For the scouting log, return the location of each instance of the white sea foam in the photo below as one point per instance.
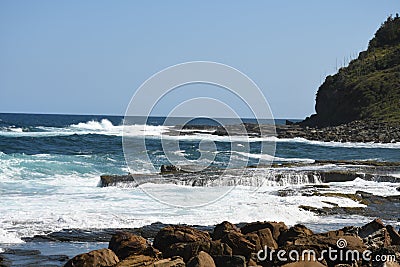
(106, 127)
(104, 124)
(78, 203)
(18, 130)
(35, 203)
(272, 158)
(376, 188)
(339, 144)
(8, 238)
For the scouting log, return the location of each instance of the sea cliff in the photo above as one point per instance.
(368, 88)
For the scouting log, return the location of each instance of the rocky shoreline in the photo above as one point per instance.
(241, 245)
(343, 171)
(356, 131)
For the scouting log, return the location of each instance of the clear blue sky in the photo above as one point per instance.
(88, 57)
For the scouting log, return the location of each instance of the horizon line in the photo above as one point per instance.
(115, 115)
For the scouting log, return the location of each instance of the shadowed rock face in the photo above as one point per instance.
(178, 234)
(203, 259)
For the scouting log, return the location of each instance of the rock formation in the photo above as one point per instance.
(368, 88)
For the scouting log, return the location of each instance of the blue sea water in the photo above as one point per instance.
(50, 167)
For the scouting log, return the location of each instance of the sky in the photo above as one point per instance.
(89, 57)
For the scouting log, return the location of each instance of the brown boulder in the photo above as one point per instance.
(178, 234)
(275, 227)
(331, 239)
(392, 264)
(136, 261)
(171, 262)
(99, 258)
(302, 254)
(293, 233)
(394, 235)
(125, 244)
(335, 240)
(189, 250)
(378, 239)
(230, 261)
(239, 244)
(371, 228)
(262, 238)
(251, 262)
(201, 260)
(222, 229)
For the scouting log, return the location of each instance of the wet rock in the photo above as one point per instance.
(338, 176)
(4, 262)
(239, 243)
(178, 234)
(98, 235)
(230, 261)
(203, 259)
(99, 258)
(275, 227)
(374, 205)
(169, 169)
(113, 180)
(23, 257)
(22, 252)
(222, 229)
(125, 244)
(293, 233)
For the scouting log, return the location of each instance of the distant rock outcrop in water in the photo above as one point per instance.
(368, 88)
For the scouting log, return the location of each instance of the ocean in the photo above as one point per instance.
(50, 167)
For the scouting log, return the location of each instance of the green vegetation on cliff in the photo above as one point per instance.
(368, 88)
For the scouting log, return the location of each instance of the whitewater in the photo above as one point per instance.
(50, 168)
